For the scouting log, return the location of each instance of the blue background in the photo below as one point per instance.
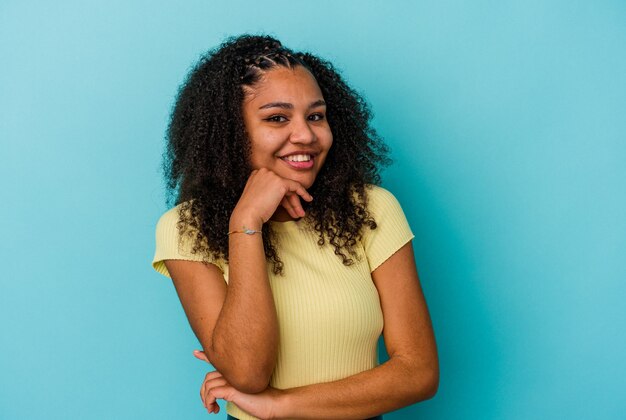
(506, 121)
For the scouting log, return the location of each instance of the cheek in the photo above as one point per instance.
(328, 138)
(327, 142)
(324, 135)
(263, 147)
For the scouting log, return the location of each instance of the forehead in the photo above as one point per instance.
(284, 84)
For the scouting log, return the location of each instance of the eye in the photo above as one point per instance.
(316, 117)
(276, 118)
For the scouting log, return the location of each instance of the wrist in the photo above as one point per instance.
(239, 222)
(283, 405)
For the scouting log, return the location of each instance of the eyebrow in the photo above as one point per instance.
(287, 105)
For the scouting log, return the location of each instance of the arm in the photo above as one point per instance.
(237, 325)
(410, 375)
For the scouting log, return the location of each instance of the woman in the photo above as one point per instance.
(286, 257)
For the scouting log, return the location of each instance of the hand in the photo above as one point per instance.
(263, 405)
(209, 402)
(212, 379)
(262, 195)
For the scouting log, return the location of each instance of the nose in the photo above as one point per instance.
(302, 132)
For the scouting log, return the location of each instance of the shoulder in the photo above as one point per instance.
(376, 191)
(167, 227)
(169, 219)
(168, 223)
(392, 228)
(380, 200)
(172, 245)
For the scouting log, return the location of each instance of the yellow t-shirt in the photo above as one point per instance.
(329, 314)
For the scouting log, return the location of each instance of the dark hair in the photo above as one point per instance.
(206, 139)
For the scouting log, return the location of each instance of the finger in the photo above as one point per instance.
(212, 375)
(297, 188)
(205, 392)
(289, 207)
(294, 199)
(202, 396)
(208, 378)
(224, 392)
(213, 408)
(212, 383)
(200, 355)
(209, 402)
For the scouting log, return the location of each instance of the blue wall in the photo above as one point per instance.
(506, 121)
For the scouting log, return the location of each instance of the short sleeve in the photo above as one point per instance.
(392, 231)
(171, 246)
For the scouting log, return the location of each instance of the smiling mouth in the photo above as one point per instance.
(303, 161)
(304, 157)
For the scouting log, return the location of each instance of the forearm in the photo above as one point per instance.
(390, 386)
(245, 338)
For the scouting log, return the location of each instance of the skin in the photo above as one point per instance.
(285, 113)
(296, 122)
(410, 375)
(243, 345)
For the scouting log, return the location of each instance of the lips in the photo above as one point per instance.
(299, 161)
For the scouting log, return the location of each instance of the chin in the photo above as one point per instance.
(306, 181)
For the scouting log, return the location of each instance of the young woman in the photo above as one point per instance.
(287, 258)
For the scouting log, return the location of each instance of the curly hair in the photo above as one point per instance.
(206, 138)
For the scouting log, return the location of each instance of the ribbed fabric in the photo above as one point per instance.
(329, 314)
(171, 246)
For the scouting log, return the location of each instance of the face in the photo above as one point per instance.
(285, 118)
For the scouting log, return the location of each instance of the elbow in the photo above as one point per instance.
(249, 384)
(428, 385)
(433, 386)
(247, 377)
(421, 379)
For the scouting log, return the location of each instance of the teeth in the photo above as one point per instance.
(298, 158)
